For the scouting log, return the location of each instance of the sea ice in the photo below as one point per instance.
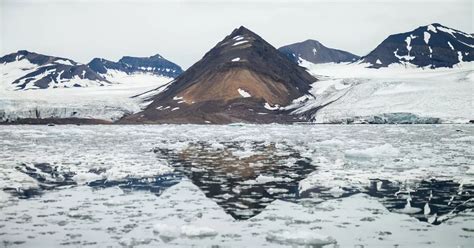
(417, 161)
(385, 150)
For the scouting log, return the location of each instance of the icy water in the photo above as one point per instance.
(234, 186)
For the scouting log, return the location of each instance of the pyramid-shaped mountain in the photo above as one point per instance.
(242, 79)
(432, 46)
(315, 52)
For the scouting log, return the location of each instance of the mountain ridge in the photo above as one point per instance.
(26, 70)
(38, 71)
(315, 52)
(432, 45)
(155, 64)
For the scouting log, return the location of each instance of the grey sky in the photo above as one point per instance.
(182, 31)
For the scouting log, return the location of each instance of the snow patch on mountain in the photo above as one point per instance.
(431, 28)
(240, 42)
(63, 61)
(238, 38)
(426, 37)
(121, 77)
(243, 93)
(450, 45)
(270, 107)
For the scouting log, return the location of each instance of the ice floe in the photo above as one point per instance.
(304, 183)
(385, 150)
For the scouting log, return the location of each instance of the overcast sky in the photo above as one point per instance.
(182, 31)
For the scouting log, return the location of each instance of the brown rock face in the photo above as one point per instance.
(231, 83)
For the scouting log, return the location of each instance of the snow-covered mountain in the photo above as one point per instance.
(135, 66)
(315, 52)
(65, 88)
(24, 70)
(431, 46)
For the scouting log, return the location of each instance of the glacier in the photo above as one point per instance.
(124, 96)
(352, 93)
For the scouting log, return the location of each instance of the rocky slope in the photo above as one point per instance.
(242, 79)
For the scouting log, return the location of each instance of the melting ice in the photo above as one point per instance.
(261, 185)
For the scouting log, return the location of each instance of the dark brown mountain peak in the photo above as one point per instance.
(233, 82)
(243, 31)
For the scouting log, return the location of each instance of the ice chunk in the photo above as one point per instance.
(300, 238)
(433, 219)
(166, 232)
(276, 190)
(192, 231)
(336, 191)
(408, 209)
(262, 179)
(427, 209)
(4, 197)
(217, 146)
(83, 178)
(385, 150)
(470, 171)
(241, 154)
(332, 142)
